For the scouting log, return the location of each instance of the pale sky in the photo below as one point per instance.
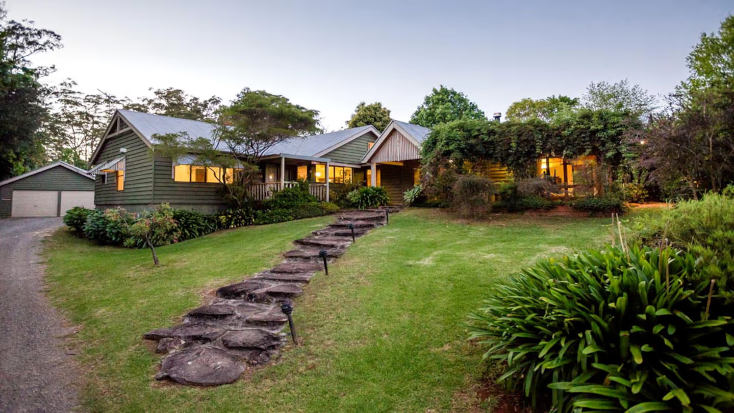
(330, 55)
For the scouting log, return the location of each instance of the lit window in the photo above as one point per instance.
(370, 145)
(198, 173)
(416, 176)
(214, 174)
(321, 173)
(302, 174)
(120, 178)
(337, 174)
(182, 173)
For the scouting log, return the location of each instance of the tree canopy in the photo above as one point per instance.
(619, 96)
(445, 105)
(373, 114)
(178, 104)
(543, 109)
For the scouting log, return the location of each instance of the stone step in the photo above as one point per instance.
(326, 242)
(356, 224)
(296, 267)
(284, 277)
(240, 290)
(340, 232)
(363, 217)
(277, 291)
(186, 331)
(252, 338)
(267, 319)
(313, 253)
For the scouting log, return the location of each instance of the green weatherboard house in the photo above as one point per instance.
(129, 174)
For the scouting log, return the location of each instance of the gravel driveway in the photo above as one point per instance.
(36, 374)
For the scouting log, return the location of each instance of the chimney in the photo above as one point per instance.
(497, 116)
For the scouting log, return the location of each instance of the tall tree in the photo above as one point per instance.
(445, 105)
(246, 129)
(21, 95)
(178, 104)
(543, 109)
(619, 96)
(373, 114)
(711, 63)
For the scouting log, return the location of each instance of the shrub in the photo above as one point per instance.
(512, 200)
(95, 228)
(412, 194)
(235, 218)
(368, 197)
(306, 211)
(329, 207)
(290, 197)
(634, 193)
(340, 192)
(537, 187)
(118, 226)
(471, 195)
(273, 216)
(75, 219)
(704, 228)
(594, 205)
(154, 229)
(611, 331)
(193, 224)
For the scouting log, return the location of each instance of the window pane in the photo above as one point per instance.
(321, 173)
(416, 176)
(229, 175)
(302, 173)
(120, 180)
(182, 173)
(347, 175)
(214, 174)
(198, 174)
(331, 174)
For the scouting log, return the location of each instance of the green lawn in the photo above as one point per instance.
(383, 332)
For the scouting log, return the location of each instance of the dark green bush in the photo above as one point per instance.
(290, 197)
(411, 195)
(471, 195)
(118, 227)
(307, 211)
(704, 228)
(95, 228)
(636, 193)
(329, 207)
(157, 225)
(273, 216)
(611, 331)
(513, 200)
(75, 219)
(600, 205)
(368, 197)
(194, 224)
(235, 218)
(340, 192)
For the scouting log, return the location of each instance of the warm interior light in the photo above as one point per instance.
(318, 174)
(543, 166)
(642, 142)
(270, 176)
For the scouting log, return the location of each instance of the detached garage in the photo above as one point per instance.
(46, 192)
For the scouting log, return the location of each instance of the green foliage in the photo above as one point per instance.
(339, 194)
(95, 228)
(329, 207)
(543, 109)
(620, 96)
(600, 205)
(273, 216)
(373, 114)
(412, 194)
(307, 211)
(235, 218)
(118, 227)
(154, 228)
(512, 200)
(194, 224)
(704, 228)
(471, 196)
(75, 219)
(445, 105)
(613, 330)
(636, 193)
(368, 197)
(291, 197)
(538, 187)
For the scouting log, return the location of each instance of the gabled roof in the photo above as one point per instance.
(147, 125)
(415, 133)
(72, 168)
(319, 145)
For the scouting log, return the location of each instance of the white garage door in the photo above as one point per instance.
(71, 199)
(35, 204)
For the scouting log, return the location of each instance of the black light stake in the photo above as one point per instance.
(287, 309)
(387, 216)
(322, 254)
(351, 226)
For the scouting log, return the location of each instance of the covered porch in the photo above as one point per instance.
(278, 172)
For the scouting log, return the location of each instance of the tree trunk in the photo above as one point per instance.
(152, 250)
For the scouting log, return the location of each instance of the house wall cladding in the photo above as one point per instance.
(203, 197)
(397, 148)
(353, 151)
(54, 179)
(138, 188)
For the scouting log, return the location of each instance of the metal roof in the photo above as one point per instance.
(148, 125)
(418, 132)
(46, 168)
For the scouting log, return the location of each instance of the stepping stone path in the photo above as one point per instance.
(243, 325)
